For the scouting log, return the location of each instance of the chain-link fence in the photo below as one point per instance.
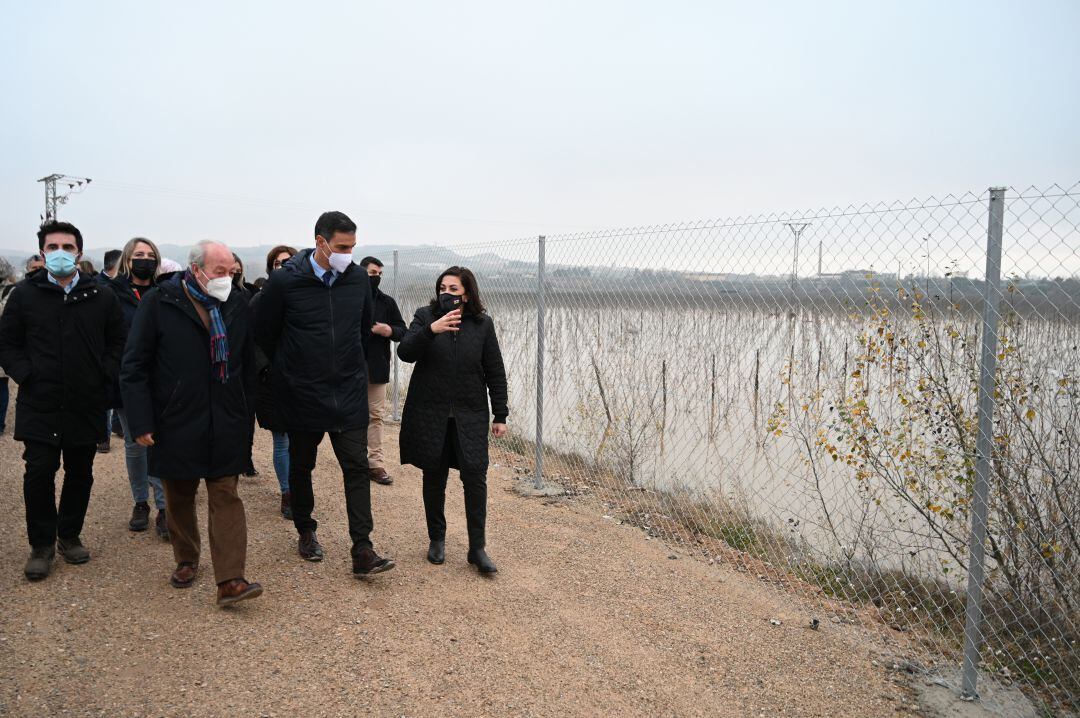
(809, 396)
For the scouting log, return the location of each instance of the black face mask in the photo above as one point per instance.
(143, 268)
(375, 281)
(449, 302)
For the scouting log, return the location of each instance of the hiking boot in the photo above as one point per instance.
(103, 447)
(40, 562)
(309, 547)
(235, 590)
(379, 476)
(366, 562)
(140, 517)
(161, 525)
(436, 552)
(483, 563)
(72, 550)
(184, 575)
(286, 506)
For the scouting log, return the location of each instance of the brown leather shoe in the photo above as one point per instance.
(379, 476)
(235, 590)
(184, 575)
(366, 562)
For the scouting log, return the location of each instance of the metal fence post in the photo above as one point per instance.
(397, 403)
(539, 480)
(983, 445)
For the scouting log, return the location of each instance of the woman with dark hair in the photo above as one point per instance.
(445, 421)
(266, 410)
(136, 274)
(237, 273)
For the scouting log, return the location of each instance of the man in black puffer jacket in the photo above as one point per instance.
(311, 321)
(61, 336)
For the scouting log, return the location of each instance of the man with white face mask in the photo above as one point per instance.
(188, 385)
(312, 319)
(61, 336)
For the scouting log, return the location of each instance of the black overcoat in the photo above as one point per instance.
(266, 409)
(63, 350)
(201, 427)
(313, 336)
(376, 348)
(129, 301)
(456, 372)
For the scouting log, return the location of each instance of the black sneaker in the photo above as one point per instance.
(39, 564)
(161, 525)
(366, 562)
(72, 550)
(103, 447)
(309, 547)
(140, 517)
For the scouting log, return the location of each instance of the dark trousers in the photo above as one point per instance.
(44, 523)
(4, 397)
(350, 447)
(474, 483)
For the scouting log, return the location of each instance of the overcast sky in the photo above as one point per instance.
(462, 122)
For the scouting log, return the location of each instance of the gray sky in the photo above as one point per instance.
(463, 122)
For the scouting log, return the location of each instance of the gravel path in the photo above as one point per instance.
(585, 618)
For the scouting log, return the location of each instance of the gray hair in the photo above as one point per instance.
(6, 270)
(198, 252)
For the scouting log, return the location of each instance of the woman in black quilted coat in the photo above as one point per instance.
(445, 421)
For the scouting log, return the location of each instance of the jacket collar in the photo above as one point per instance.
(301, 266)
(86, 286)
(173, 293)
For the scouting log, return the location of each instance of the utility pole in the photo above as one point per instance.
(797, 230)
(819, 245)
(55, 198)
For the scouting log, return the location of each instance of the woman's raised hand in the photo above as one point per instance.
(448, 322)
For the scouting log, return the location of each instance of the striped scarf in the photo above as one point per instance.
(219, 340)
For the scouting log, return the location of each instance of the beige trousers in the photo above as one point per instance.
(376, 399)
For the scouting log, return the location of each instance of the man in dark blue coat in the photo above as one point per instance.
(61, 336)
(188, 385)
(311, 321)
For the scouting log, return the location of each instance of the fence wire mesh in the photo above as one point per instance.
(795, 394)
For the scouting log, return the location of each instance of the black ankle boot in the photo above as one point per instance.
(479, 558)
(436, 552)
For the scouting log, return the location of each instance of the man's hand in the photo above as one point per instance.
(145, 440)
(498, 430)
(383, 330)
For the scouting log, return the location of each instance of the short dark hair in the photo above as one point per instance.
(111, 258)
(54, 227)
(332, 222)
(370, 260)
(468, 283)
(273, 254)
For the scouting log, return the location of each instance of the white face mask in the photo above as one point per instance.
(218, 288)
(339, 262)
